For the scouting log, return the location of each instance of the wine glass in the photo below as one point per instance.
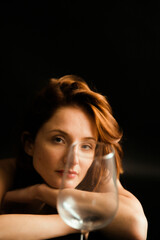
(88, 196)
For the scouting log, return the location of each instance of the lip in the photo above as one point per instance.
(69, 173)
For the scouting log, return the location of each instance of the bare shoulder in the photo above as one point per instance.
(7, 163)
(128, 196)
(7, 170)
(125, 193)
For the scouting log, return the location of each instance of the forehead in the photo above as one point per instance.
(72, 119)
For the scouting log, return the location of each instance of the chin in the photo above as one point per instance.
(53, 184)
(71, 185)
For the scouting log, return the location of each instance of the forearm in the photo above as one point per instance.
(35, 227)
(129, 222)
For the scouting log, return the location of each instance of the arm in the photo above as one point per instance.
(38, 194)
(29, 226)
(130, 221)
(34, 227)
(25, 226)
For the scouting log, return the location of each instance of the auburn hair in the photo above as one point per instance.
(76, 90)
(64, 91)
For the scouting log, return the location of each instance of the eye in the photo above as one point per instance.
(59, 140)
(86, 147)
(86, 151)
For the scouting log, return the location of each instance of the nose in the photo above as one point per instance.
(72, 156)
(75, 158)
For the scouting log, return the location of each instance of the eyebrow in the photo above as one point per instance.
(57, 130)
(65, 133)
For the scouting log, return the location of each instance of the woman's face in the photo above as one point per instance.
(67, 125)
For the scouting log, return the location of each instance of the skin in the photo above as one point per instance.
(53, 141)
(69, 124)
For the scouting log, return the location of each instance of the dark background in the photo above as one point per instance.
(114, 46)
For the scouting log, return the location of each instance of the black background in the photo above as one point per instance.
(114, 46)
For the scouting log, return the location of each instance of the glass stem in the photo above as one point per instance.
(84, 235)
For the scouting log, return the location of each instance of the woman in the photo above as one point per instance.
(65, 111)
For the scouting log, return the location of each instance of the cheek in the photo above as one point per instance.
(85, 166)
(47, 156)
(43, 158)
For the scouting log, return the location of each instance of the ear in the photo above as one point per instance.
(28, 143)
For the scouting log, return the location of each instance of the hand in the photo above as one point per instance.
(24, 195)
(24, 199)
(33, 194)
(47, 194)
